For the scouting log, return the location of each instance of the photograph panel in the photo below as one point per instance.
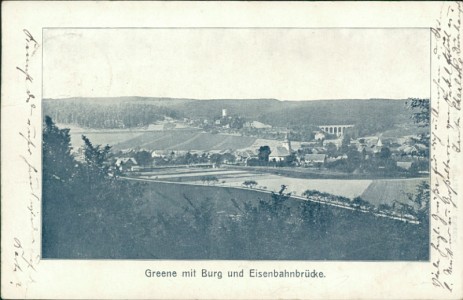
(236, 144)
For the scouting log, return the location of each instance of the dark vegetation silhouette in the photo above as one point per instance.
(85, 210)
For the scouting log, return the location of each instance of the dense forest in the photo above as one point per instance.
(369, 116)
(104, 115)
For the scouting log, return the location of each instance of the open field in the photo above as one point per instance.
(177, 139)
(385, 190)
(380, 191)
(103, 138)
(227, 178)
(186, 140)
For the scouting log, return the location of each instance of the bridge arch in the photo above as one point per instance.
(338, 130)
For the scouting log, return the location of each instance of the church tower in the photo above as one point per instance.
(287, 143)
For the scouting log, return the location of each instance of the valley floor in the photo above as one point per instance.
(375, 191)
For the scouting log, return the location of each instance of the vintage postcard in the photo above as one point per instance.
(195, 150)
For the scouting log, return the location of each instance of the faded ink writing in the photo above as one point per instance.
(25, 254)
(447, 83)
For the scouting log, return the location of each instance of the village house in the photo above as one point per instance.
(319, 136)
(314, 160)
(244, 155)
(257, 125)
(336, 158)
(408, 150)
(336, 142)
(318, 150)
(126, 163)
(421, 147)
(366, 151)
(160, 153)
(309, 145)
(279, 154)
(406, 165)
(127, 151)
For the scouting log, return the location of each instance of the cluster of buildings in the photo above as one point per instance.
(311, 154)
(325, 147)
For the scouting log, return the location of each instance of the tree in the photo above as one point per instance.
(290, 160)
(85, 211)
(96, 158)
(345, 143)
(58, 162)
(209, 179)
(384, 208)
(315, 217)
(171, 157)
(60, 169)
(310, 193)
(60, 187)
(216, 158)
(264, 153)
(250, 183)
(422, 200)
(228, 157)
(385, 153)
(237, 123)
(421, 108)
(358, 202)
(276, 209)
(421, 117)
(143, 158)
(354, 158)
(331, 149)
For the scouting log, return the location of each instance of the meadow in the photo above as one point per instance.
(377, 191)
(177, 139)
(384, 190)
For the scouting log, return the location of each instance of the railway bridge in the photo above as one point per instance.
(337, 130)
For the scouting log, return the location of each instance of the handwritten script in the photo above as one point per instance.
(445, 141)
(26, 256)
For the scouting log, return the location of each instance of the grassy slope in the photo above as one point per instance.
(166, 140)
(382, 191)
(186, 140)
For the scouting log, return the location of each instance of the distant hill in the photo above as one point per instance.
(320, 112)
(118, 100)
(249, 108)
(371, 115)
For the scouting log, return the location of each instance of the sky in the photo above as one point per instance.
(285, 64)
